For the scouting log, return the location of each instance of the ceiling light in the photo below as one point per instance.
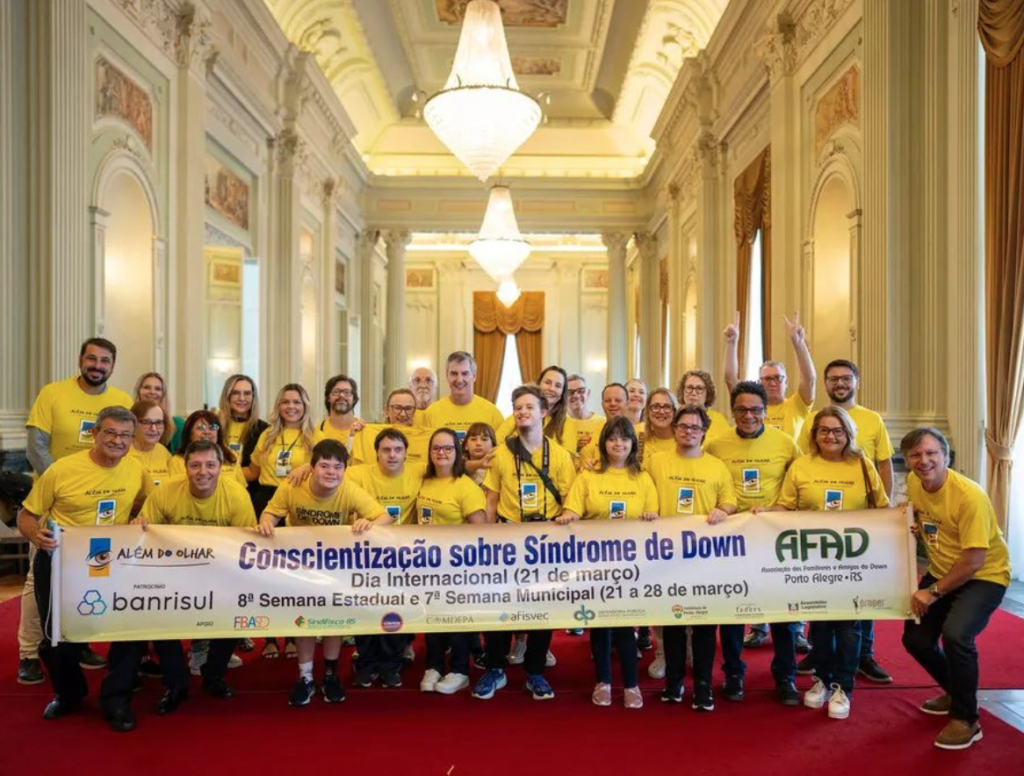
(480, 115)
(508, 292)
(500, 249)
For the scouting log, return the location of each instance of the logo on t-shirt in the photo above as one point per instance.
(461, 434)
(394, 512)
(85, 428)
(684, 501)
(284, 463)
(617, 510)
(235, 447)
(930, 532)
(528, 495)
(833, 500)
(426, 515)
(106, 511)
(751, 481)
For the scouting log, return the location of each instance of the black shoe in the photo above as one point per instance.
(218, 688)
(643, 639)
(30, 671)
(703, 700)
(806, 666)
(170, 701)
(870, 670)
(733, 688)
(332, 689)
(392, 681)
(90, 660)
(302, 693)
(136, 683)
(479, 660)
(801, 644)
(787, 693)
(673, 692)
(121, 720)
(364, 678)
(151, 669)
(58, 708)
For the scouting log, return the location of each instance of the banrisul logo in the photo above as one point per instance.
(820, 544)
(99, 557)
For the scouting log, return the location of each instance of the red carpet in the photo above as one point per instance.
(400, 730)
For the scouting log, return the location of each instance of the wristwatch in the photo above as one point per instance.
(934, 590)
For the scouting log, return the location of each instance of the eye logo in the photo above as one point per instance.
(99, 557)
(92, 603)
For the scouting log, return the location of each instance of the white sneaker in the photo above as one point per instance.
(515, 657)
(430, 680)
(815, 697)
(839, 703)
(235, 661)
(452, 683)
(549, 660)
(410, 654)
(656, 670)
(196, 661)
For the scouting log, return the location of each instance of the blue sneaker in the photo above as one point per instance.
(538, 686)
(492, 681)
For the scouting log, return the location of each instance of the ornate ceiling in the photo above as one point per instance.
(602, 69)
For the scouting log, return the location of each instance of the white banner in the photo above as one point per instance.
(124, 583)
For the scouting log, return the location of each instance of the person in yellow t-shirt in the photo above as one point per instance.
(588, 423)
(448, 497)
(239, 413)
(96, 487)
(834, 476)
(636, 401)
(785, 414)
(151, 420)
(151, 386)
(689, 481)
(616, 490)
(286, 446)
(528, 480)
(400, 411)
(205, 425)
(461, 408)
(341, 395)
(614, 403)
(968, 573)
(327, 497)
(657, 435)
(698, 387)
(558, 425)
(479, 444)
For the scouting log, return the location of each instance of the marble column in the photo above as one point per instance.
(329, 361)
(395, 372)
(370, 368)
(615, 242)
(712, 252)
(676, 273)
(284, 326)
(651, 346)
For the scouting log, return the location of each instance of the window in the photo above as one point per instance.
(511, 376)
(753, 337)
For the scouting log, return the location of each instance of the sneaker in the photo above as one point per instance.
(539, 688)
(410, 654)
(703, 700)
(656, 670)
(801, 644)
(732, 689)
(196, 661)
(787, 693)
(234, 661)
(574, 631)
(332, 689)
(549, 660)
(364, 678)
(806, 666)
(939, 705)
(673, 693)
(302, 693)
(90, 660)
(643, 639)
(391, 681)
(632, 698)
(518, 653)
(488, 684)
(958, 734)
(602, 695)
(838, 703)
(815, 697)
(429, 681)
(150, 669)
(452, 683)
(756, 638)
(30, 671)
(870, 670)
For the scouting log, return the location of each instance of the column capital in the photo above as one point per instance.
(615, 241)
(647, 244)
(777, 48)
(367, 241)
(194, 47)
(395, 241)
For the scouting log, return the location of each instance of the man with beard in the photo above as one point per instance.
(588, 422)
(423, 384)
(341, 395)
(399, 412)
(59, 424)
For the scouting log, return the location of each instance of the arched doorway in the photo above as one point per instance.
(832, 271)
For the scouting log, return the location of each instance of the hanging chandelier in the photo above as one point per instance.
(499, 249)
(508, 292)
(480, 114)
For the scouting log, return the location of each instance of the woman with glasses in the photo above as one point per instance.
(152, 387)
(203, 424)
(658, 435)
(834, 476)
(149, 432)
(698, 387)
(616, 490)
(448, 497)
(239, 417)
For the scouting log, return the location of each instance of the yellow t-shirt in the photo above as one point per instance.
(958, 517)
(67, 413)
(448, 501)
(156, 462)
(285, 453)
(814, 484)
(872, 435)
(233, 437)
(364, 452)
(444, 413)
(528, 488)
(396, 494)
(615, 494)
(324, 430)
(757, 465)
(650, 447)
(690, 486)
(591, 427)
(592, 452)
(301, 507)
(77, 491)
(720, 426)
(231, 471)
(567, 439)
(788, 415)
(174, 504)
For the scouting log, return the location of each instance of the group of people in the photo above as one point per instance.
(102, 457)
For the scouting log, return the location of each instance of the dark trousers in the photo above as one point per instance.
(732, 649)
(61, 661)
(439, 643)
(783, 643)
(958, 617)
(124, 659)
(601, 646)
(497, 643)
(837, 652)
(218, 657)
(867, 639)
(703, 640)
(381, 654)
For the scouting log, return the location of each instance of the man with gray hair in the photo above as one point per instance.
(968, 573)
(461, 408)
(423, 384)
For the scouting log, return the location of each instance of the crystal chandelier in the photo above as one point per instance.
(499, 249)
(508, 292)
(480, 115)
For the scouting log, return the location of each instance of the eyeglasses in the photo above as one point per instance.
(151, 423)
(203, 427)
(689, 429)
(835, 433)
(772, 379)
(443, 449)
(661, 408)
(401, 409)
(841, 379)
(694, 389)
(342, 392)
(112, 435)
(741, 411)
(576, 391)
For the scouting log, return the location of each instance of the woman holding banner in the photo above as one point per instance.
(834, 475)
(616, 490)
(448, 497)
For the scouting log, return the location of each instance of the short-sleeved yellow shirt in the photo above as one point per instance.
(614, 494)
(173, 503)
(757, 465)
(690, 486)
(524, 494)
(814, 484)
(301, 507)
(67, 413)
(397, 495)
(448, 501)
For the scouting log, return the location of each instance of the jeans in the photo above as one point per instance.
(837, 651)
(867, 639)
(497, 644)
(601, 646)
(784, 646)
(958, 617)
(732, 647)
